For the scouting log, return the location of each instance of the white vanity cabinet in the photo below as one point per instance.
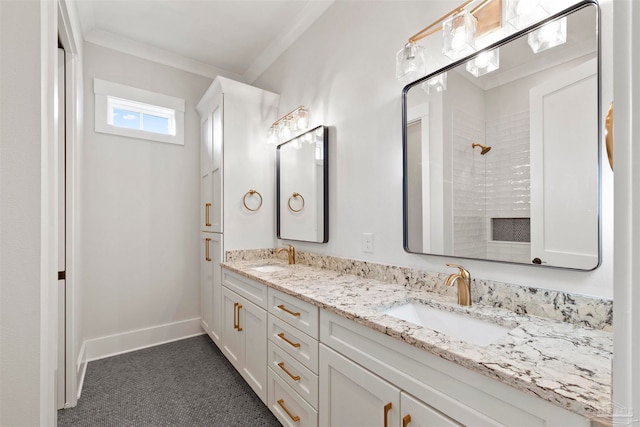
(234, 118)
(362, 370)
(292, 359)
(244, 329)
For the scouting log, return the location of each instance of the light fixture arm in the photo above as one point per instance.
(289, 115)
(434, 27)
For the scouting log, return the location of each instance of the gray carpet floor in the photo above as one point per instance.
(183, 383)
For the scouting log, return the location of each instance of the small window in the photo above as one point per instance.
(127, 111)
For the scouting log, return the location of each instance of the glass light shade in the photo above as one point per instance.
(410, 63)
(484, 63)
(435, 84)
(549, 35)
(284, 130)
(459, 33)
(302, 119)
(522, 13)
(272, 135)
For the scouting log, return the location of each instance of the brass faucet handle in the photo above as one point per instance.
(463, 271)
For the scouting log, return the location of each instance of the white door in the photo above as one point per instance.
(232, 338)
(61, 295)
(564, 169)
(351, 396)
(215, 253)
(253, 321)
(206, 286)
(418, 414)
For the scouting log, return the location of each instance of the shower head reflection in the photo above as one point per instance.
(484, 148)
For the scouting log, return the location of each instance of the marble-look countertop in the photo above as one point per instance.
(563, 363)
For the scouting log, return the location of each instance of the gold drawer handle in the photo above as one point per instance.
(293, 377)
(207, 254)
(292, 344)
(235, 311)
(207, 211)
(239, 327)
(387, 408)
(406, 420)
(294, 418)
(293, 313)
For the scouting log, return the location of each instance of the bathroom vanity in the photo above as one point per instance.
(332, 349)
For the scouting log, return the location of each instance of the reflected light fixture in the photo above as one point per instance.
(460, 26)
(549, 35)
(435, 84)
(522, 13)
(288, 125)
(484, 63)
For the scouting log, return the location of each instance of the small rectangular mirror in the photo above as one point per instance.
(502, 149)
(302, 185)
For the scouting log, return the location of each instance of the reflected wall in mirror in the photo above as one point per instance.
(505, 165)
(302, 175)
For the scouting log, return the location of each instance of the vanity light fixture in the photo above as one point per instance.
(460, 26)
(435, 84)
(522, 13)
(549, 35)
(484, 63)
(288, 125)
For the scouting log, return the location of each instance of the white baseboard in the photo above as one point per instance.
(81, 368)
(112, 345)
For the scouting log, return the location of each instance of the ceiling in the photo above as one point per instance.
(235, 38)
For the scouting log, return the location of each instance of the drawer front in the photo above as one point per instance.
(299, 345)
(250, 289)
(290, 409)
(295, 312)
(300, 379)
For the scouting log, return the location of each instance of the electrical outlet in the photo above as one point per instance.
(367, 242)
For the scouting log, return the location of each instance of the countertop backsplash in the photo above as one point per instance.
(581, 310)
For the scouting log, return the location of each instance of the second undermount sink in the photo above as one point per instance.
(456, 325)
(269, 268)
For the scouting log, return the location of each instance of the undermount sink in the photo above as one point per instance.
(456, 325)
(269, 268)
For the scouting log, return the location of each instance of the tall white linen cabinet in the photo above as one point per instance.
(234, 159)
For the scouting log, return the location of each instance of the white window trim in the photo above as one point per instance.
(104, 89)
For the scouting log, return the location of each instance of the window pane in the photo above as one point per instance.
(126, 119)
(156, 124)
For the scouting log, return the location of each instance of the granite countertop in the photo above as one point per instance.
(560, 362)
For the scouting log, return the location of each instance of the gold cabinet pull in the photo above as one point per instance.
(293, 377)
(387, 408)
(608, 125)
(239, 327)
(207, 254)
(292, 344)
(294, 418)
(207, 211)
(406, 420)
(235, 311)
(293, 313)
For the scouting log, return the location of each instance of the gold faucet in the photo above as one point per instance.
(463, 278)
(291, 251)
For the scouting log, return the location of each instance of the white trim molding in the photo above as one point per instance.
(112, 345)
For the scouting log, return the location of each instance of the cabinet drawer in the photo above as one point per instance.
(288, 406)
(251, 290)
(301, 346)
(418, 414)
(292, 372)
(295, 312)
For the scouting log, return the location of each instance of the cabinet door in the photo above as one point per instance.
(253, 322)
(351, 396)
(206, 284)
(415, 413)
(216, 169)
(215, 253)
(206, 145)
(232, 337)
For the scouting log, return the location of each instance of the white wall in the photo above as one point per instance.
(342, 68)
(140, 265)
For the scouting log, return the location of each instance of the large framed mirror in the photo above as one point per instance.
(505, 165)
(302, 185)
